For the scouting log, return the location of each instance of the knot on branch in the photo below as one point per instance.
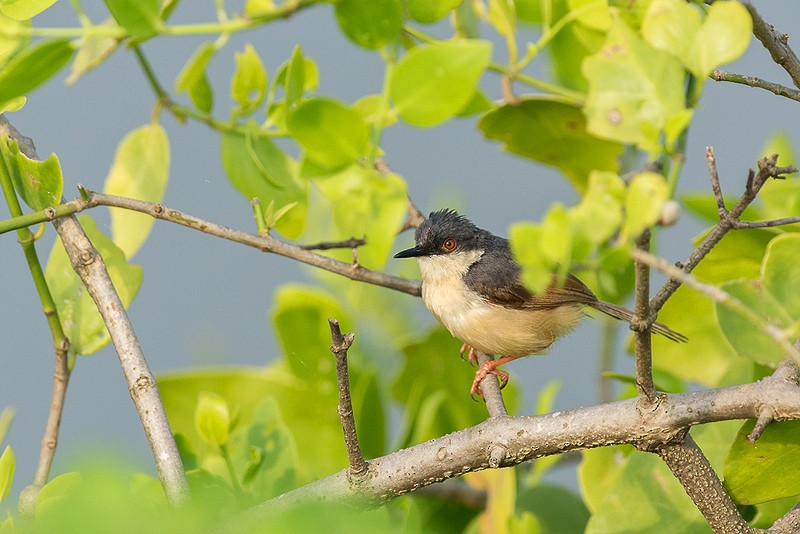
(768, 168)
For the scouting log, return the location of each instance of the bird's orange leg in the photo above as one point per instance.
(490, 367)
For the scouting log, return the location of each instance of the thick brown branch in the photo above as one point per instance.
(693, 470)
(339, 347)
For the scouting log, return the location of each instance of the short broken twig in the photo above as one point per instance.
(339, 347)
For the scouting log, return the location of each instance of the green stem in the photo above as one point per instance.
(223, 449)
(38, 217)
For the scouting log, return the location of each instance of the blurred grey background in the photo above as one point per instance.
(205, 301)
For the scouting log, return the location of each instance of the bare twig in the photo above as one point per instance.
(265, 243)
(693, 470)
(777, 44)
(753, 81)
(339, 347)
(353, 242)
(641, 325)
(767, 168)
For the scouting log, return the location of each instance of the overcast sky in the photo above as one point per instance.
(207, 301)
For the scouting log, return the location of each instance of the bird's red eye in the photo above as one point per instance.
(449, 245)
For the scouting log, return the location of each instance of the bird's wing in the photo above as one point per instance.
(501, 283)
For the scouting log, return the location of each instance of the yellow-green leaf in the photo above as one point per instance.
(24, 9)
(8, 463)
(644, 200)
(249, 83)
(31, 68)
(38, 183)
(212, 418)
(140, 170)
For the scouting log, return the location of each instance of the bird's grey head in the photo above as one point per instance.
(445, 232)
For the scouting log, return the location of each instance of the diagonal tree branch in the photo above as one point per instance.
(528, 437)
(752, 81)
(776, 43)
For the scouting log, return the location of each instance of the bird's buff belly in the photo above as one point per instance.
(493, 329)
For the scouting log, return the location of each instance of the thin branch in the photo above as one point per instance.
(264, 243)
(91, 269)
(777, 44)
(693, 470)
(753, 81)
(641, 325)
(527, 437)
(339, 347)
(742, 225)
(490, 388)
(353, 242)
(716, 188)
(718, 295)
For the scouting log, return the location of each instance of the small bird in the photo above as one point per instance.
(471, 283)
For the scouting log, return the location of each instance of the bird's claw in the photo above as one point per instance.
(481, 373)
(471, 356)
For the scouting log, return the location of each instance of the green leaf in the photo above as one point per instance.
(193, 79)
(366, 203)
(738, 255)
(258, 168)
(644, 201)
(8, 463)
(765, 470)
(56, 490)
(593, 13)
(772, 296)
(332, 134)
(568, 49)
(537, 273)
(92, 50)
(554, 133)
(675, 27)
(13, 38)
(38, 183)
(428, 11)
(140, 18)
(635, 90)
(82, 323)
(212, 418)
(615, 481)
(140, 170)
(781, 198)
(432, 83)
(503, 17)
(557, 509)
(6, 417)
(370, 23)
(249, 83)
(32, 67)
(24, 9)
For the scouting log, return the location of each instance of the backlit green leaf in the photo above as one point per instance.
(212, 418)
(635, 90)
(78, 313)
(331, 133)
(773, 297)
(38, 183)
(765, 470)
(427, 11)
(32, 67)
(193, 80)
(92, 50)
(432, 83)
(369, 204)
(592, 13)
(140, 170)
(554, 133)
(140, 18)
(675, 27)
(24, 9)
(249, 83)
(644, 201)
(8, 464)
(13, 38)
(739, 254)
(258, 168)
(370, 23)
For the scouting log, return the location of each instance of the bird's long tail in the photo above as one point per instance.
(623, 314)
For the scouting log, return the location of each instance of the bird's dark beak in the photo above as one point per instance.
(409, 253)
